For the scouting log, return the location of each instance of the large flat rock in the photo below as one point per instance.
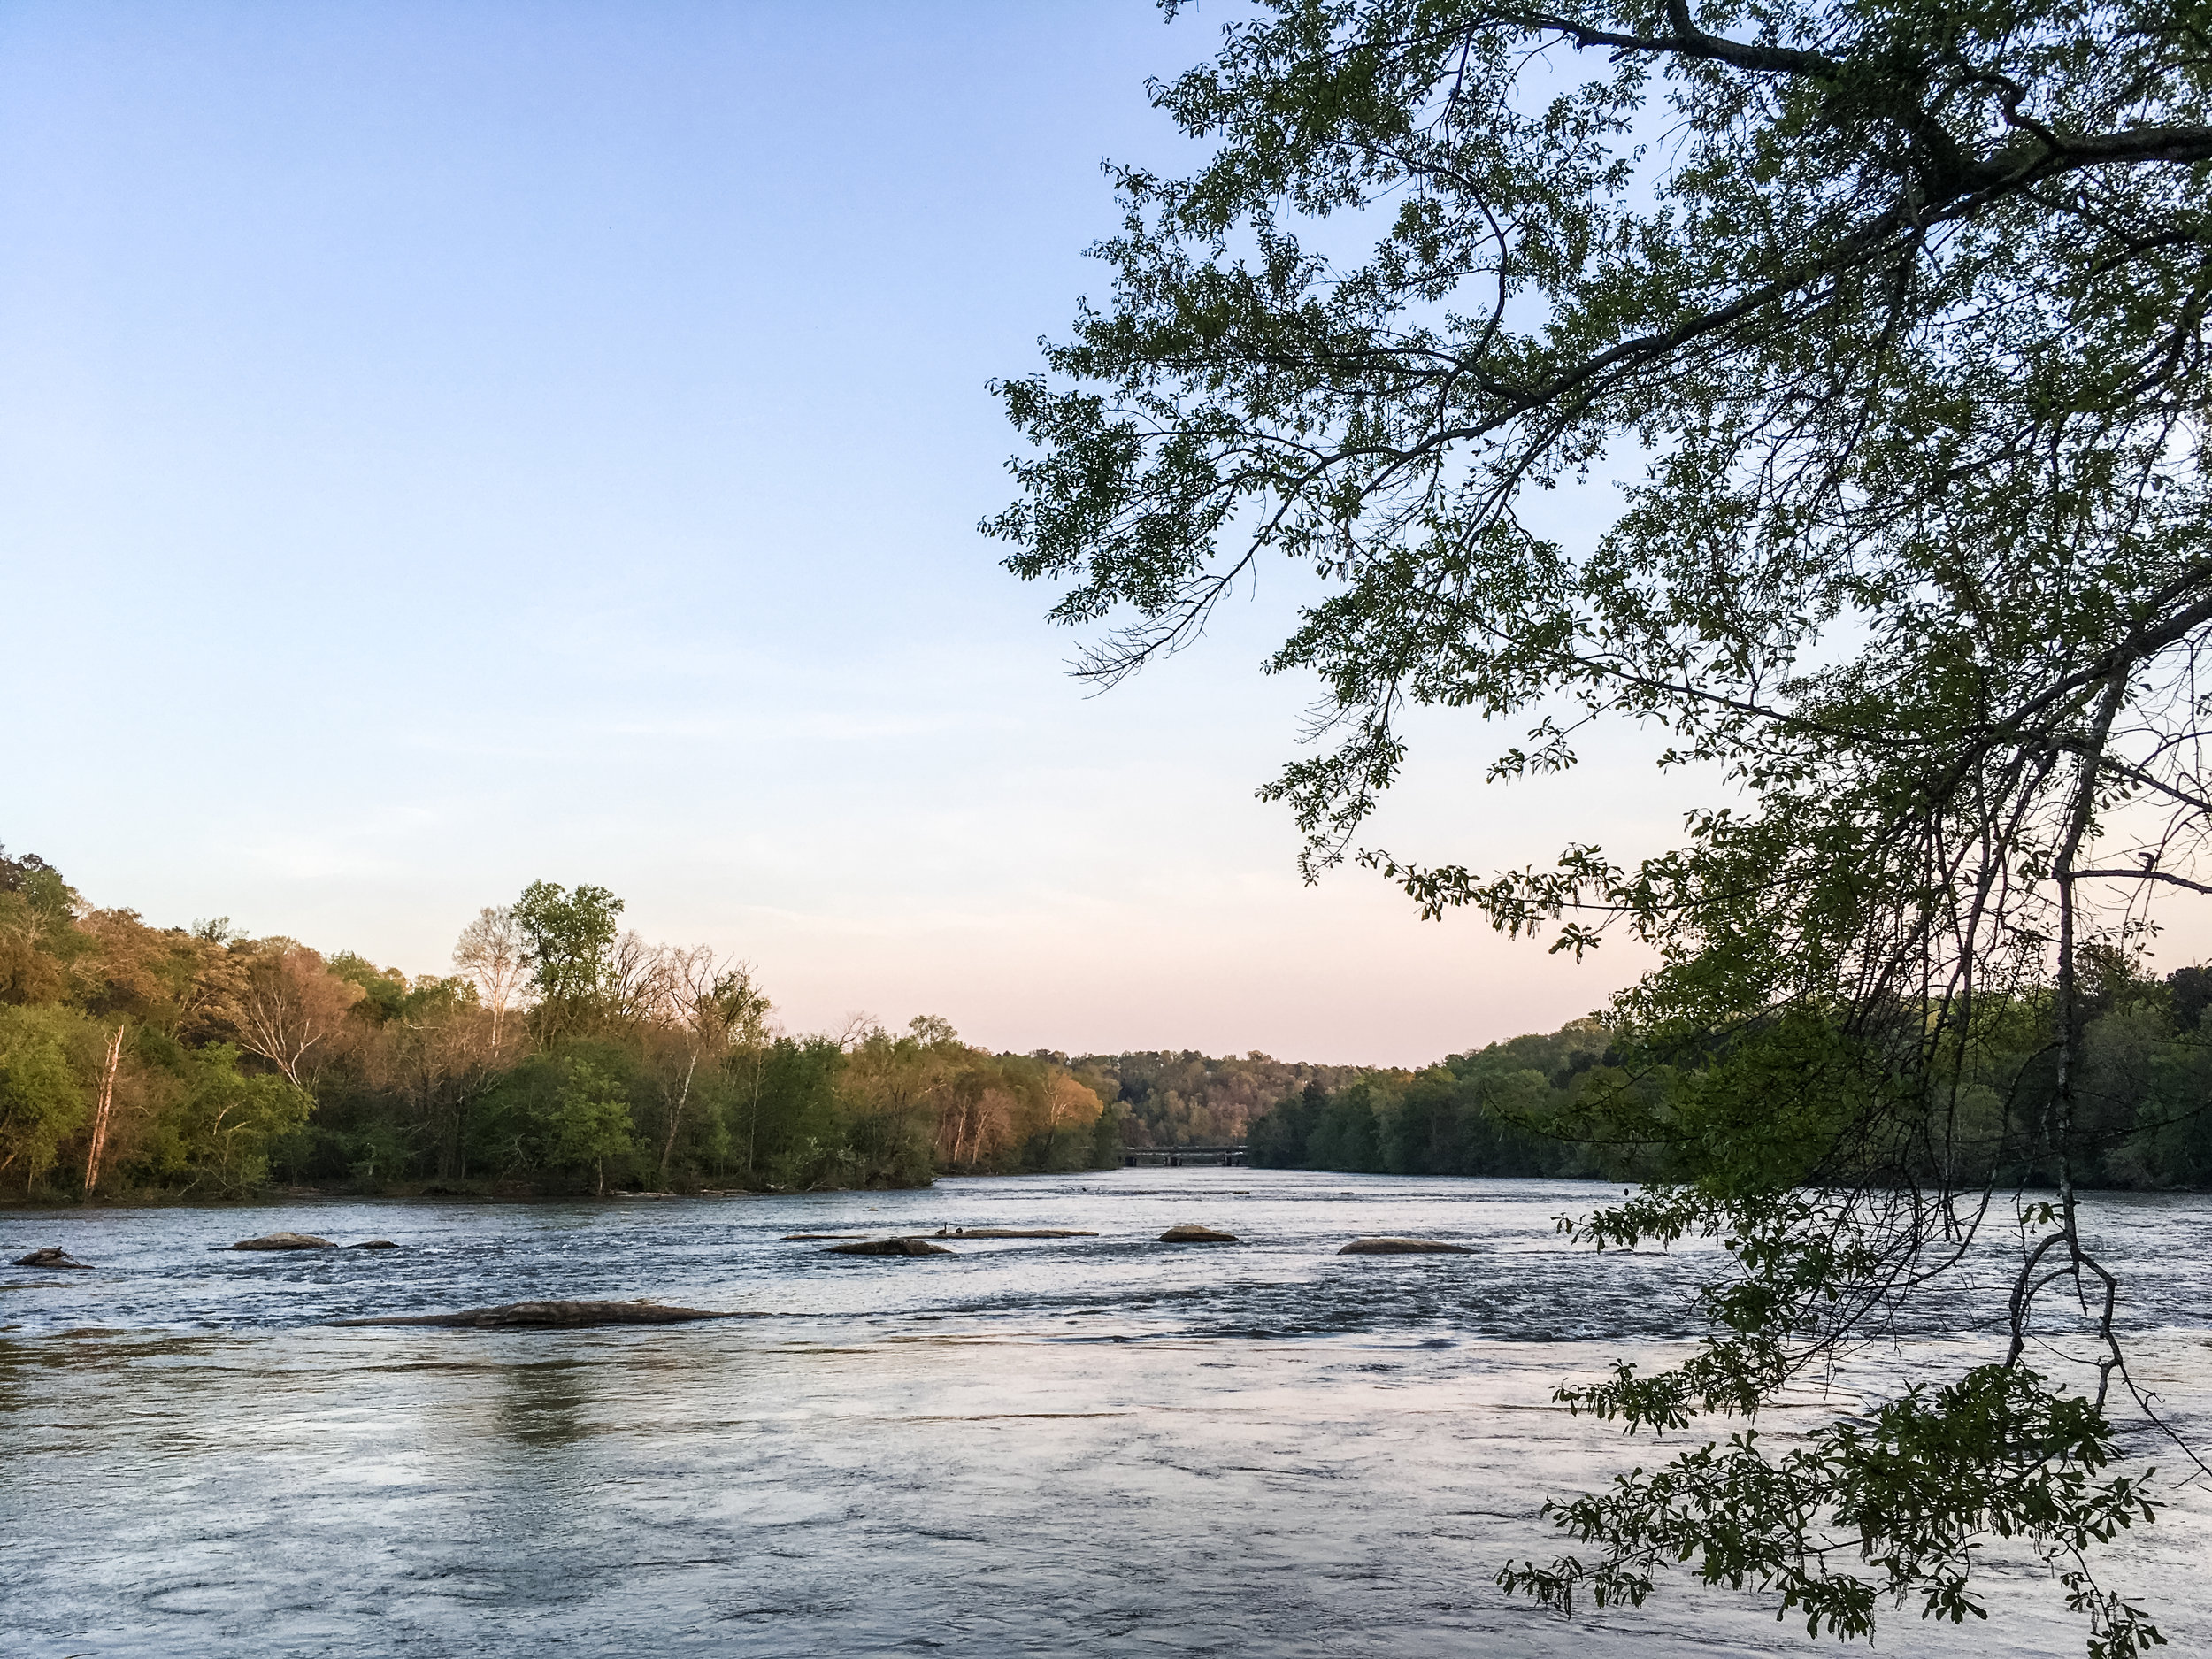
(285, 1241)
(888, 1247)
(50, 1258)
(1015, 1233)
(1403, 1247)
(559, 1316)
(1198, 1235)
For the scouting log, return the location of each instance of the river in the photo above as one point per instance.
(1027, 1447)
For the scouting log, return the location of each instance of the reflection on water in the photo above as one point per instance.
(1025, 1447)
(542, 1404)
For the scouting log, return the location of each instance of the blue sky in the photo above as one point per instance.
(443, 446)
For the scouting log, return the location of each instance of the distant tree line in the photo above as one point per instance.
(563, 1054)
(1494, 1112)
(566, 1054)
(1553, 1105)
(1172, 1098)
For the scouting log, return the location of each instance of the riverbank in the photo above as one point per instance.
(409, 1191)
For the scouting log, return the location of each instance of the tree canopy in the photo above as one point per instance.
(137, 1061)
(1884, 325)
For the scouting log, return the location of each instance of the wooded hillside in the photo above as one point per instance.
(562, 1054)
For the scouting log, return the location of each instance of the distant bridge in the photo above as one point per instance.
(1177, 1158)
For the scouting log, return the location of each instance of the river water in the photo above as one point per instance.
(1028, 1446)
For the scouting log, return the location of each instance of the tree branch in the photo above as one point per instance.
(2147, 875)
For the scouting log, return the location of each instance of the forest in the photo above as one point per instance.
(565, 1054)
(561, 1055)
(1555, 1105)
(1183, 1098)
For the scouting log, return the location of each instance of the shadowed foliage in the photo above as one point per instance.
(1884, 321)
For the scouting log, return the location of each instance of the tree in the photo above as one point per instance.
(286, 1006)
(1061, 1101)
(570, 939)
(493, 954)
(1892, 321)
(718, 1013)
(103, 1108)
(37, 912)
(588, 1122)
(435, 1047)
(42, 1098)
(793, 1127)
(220, 1127)
(892, 1089)
(171, 979)
(749, 1038)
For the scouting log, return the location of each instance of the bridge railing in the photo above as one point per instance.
(1179, 1157)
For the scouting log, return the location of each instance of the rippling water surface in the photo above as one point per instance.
(1030, 1445)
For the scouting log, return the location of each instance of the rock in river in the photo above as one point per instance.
(373, 1244)
(1198, 1235)
(285, 1241)
(888, 1247)
(1015, 1233)
(50, 1258)
(551, 1315)
(1403, 1247)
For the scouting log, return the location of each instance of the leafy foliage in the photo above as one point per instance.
(1172, 1098)
(1909, 1492)
(1890, 319)
(565, 1055)
(40, 1098)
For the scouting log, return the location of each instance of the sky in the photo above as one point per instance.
(448, 446)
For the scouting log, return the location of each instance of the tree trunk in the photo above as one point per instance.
(675, 1117)
(2059, 1124)
(103, 1111)
(2067, 1010)
(752, 1117)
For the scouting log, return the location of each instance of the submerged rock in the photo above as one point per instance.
(373, 1244)
(1198, 1235)
(50, 1258)
(796, 1238)
(1403, 1247)
(888, 1247)
(1015, 1233)
(285, 1241)
(552, 1316)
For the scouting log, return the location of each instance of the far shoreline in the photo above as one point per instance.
(442, 1193)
